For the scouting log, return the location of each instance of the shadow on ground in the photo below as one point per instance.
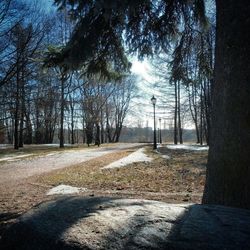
(107, 223)
(6, 219)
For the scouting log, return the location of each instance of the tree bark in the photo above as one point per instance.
(29, 130)
(175, 114)
(193, 110)
(228, 170)
(89, 132)
(17, 104)
(72, 122)
(62, 112)
(201, 119)
(22, 108)
(102, 127)
(97, 135)
(118, 132)
(179, 113)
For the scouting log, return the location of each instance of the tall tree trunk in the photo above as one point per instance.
(20, 142)
(179, 112)
(62, 112)
(102, 128)
(52, 124)
(207, 107)
(29, 129)
(193, 110)
(108, 129)
(17, 104)
(22, 110)
(97, 135)
(16, 135)
(89, 132)
(69, 133)
(72, 133)
(228, 174)
(118, 133)
(201, 119)
(175, 114)
(83, 131)
(77, 135)
(72, 125)
(10, 131)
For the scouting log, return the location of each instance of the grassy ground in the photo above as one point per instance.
(183, 173)
(176, 180)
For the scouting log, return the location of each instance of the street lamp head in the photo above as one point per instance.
(153, 100)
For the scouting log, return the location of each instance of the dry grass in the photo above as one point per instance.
(177, 180)
(183, 173)
(82, 174)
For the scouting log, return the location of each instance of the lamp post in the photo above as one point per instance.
(160, 131)
(153, 100)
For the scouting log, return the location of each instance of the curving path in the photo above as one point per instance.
(23, 168)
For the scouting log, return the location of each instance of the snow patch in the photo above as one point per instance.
(137, 156)
(65, 189)
(55, 145)
(166, 157)
(50, 154)
(6, 145)
(188, 147)
(14, 158)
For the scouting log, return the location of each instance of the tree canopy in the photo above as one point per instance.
(106, 30)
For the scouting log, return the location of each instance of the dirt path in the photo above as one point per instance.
(23, 168)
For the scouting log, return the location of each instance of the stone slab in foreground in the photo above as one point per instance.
(108, 223)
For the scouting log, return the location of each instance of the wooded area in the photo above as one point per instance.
(38, 101)
(42, 101)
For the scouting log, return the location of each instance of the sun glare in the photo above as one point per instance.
(142, 69)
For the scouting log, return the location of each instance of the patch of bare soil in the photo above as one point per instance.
(176, 180)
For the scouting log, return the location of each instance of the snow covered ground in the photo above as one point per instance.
(3, 146)
(193, 147)
(14, 158)
(65, 189)
(137, 156)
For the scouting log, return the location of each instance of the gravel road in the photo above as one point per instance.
(23, 168)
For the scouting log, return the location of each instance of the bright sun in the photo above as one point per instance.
(141, 68)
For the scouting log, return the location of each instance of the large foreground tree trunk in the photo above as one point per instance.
(228, 172)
